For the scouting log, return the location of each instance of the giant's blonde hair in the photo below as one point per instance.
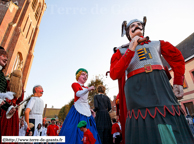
(15, 83)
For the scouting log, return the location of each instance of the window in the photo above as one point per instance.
(28, 29)
(189, 108)
(38, 10)
(191, 72)
(25, 24)
(34, 3)
(18, 64)
(31, 35)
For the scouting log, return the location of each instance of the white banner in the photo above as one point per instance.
(24, 139)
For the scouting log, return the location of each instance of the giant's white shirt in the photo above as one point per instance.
(81, 105)
(36, 106)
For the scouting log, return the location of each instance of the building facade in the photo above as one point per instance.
(187, 49)
(19, 28)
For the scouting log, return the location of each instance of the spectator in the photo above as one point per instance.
(116, 132)
(30, 133)
(189, 118)
(190, 123)
(103, 121)
(52, 128)
(44, 129)
(48, 123)
(23, 127)
(88, 136)
(38, 131)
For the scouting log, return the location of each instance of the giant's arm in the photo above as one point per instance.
(175, 59)
(120, 63)
(29, 107)
(78, 90)
(27, 111)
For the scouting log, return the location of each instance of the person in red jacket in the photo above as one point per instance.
(52, 129)
(148, 103)
(116, 132)
(88, 136)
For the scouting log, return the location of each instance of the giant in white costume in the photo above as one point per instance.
(34, 108)
(36, 105)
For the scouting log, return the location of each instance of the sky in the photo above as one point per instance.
(82, 34)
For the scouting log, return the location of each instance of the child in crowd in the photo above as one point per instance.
(116, 132)
(38, 131)
(30, 133)
(88, 136)
(44, 129)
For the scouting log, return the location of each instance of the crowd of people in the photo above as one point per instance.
(43, 129)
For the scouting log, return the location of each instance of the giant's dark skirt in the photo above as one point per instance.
(154, 114)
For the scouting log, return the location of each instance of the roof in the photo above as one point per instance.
(186, 47)
(51, 112)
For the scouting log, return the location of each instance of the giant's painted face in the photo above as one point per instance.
(135, 28)
(3, 60)
(83, 78)
(39, 91)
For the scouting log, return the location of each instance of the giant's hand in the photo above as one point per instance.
(8, 95)
(91, 88)
(133, 44)
(93, 113)
(12, 111)
(178, 91)
(1, 102)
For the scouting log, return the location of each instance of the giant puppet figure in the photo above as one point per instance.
(10, 122)
(9, 126)
(34, 108)
(3, 82)
(79, 111)
(153, 112)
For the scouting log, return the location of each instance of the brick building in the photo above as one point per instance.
(19, 28)
(187, 49)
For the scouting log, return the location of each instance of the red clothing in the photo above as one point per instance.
(10, 127)
(115, 128)
(88, 138)
(171, 54)
(119, 64)
(52, 130)
(76, 87)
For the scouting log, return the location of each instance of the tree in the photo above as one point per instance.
(96, 82)
(65, 110)
(71, 103)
